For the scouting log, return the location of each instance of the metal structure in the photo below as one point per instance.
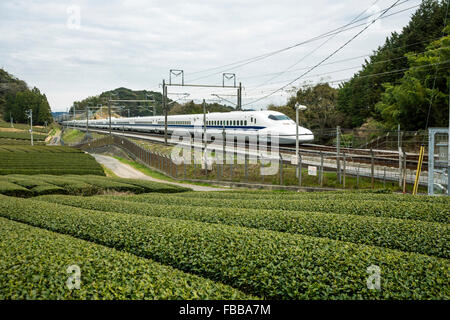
(438, 162)
(177, 73)
(30, 115)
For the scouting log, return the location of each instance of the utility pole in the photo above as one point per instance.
(165, 111)
(87, 121)
(11, 119)
(109, 115)
(204, 124)
(239, 97)
(448, 147)
(74, 113)
(30, 115)
(400, 162)
(338, 151)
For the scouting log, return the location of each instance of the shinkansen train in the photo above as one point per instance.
(241, 124)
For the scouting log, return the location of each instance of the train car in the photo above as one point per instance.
(241, 124)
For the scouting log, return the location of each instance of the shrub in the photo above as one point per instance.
(33, 265)
(432, 212)
(406, 235)
(264, 263)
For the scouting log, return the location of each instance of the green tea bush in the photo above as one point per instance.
(406, 235)
(265, 263)
(432, 212)
(34, 262)
(21, 135)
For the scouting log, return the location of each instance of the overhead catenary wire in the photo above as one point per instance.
(330, 55)
(316, 48)
(241, 63)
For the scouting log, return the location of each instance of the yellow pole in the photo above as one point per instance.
(419, 169)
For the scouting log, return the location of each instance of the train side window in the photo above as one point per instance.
(245, 122)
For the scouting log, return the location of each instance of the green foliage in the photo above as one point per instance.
(358, 97)
(268, 264)
(321, 112)
(40, 184)
(406, 235)
(18, 104)
(424, 85)
(429, 211)
(192, 108)
(34, 262)
(46, 160)
(21, 136)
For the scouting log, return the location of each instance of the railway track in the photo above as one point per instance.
(387, 158)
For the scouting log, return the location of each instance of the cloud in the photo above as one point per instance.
(133, 43)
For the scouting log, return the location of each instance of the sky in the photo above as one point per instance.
(74, 49)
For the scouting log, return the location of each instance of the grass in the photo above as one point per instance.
(73, 136)
(158, 175)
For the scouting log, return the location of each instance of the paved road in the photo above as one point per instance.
(125, 171)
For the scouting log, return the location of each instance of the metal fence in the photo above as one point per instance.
(318, 168)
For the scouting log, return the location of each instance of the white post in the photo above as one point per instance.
(31, 126)
(297, 108)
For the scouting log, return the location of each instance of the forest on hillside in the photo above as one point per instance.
(139, 109)
(16, 99)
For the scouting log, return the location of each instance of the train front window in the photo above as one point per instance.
(279, 117)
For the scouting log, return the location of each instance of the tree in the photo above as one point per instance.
(422, 93)
(358, 97)
(321, 112)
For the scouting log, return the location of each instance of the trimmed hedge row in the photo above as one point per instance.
(432, 212)
(21, 135)
(34, 262)
(315, 195)
(264, 263)
(406, 235)
(35, 185)
(49, 163)
(40, 149)
(12, 189)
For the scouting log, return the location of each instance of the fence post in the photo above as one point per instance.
(281, 169)
(321, 169)
(245, 167)
(338, 148)
(357, 177)
(345, 167)
(372, 168)
(299, 165)
(384, 178)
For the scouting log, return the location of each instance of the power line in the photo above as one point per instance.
(341, 29)
(349, 59)
(390, 72)
(332, 54)
(316, 48)
(355, 67)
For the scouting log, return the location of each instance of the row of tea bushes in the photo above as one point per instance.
(432, 212)
(315, 195)
(265, 263)
(21, 135)
(406, 235)
(20, 160)
(35, 185)
(34, 263)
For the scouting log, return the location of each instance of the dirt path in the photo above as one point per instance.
(125, 171)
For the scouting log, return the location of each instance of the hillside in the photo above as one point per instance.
(98, 104)
(16, 99)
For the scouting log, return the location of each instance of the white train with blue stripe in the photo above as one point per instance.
(240, 124)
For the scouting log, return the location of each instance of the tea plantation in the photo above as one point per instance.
(223, 245)
(21, 159)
